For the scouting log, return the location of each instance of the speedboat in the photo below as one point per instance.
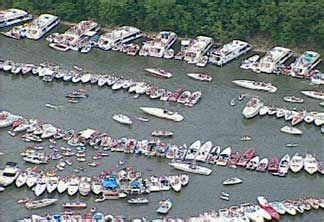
(159, 72)
(73, 185)
(86, 77)
(204, 151)
(96, 186)
(34, 204)
(291, 130)
(162, 113)
(267, 207)
(293, 99)
(253, 163)
(273, 165)
(232, 181)
(162, 133)
(75, 205)
(268, 87)
(250, 62)
(252, 108)
(298, 118)
(85, 186)
(200, 76)
(195, 97)
(165, 206)
(62, 185)
(175, 183)
(193, 150)
(246, 157)
(9, 174)
(184, 97)
(310, 164)
(123, 119)
(191, 167)
(314, 94)
(224, 157)
(296, 163)
(138, 201)
(21, 179)
(263, 110)
(262, 165)
(284, 165)
(40, 187)
(32, 179)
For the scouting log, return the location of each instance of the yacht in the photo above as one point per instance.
(41, 25)
(74, 36)
(118, 36)
(13, 16)
(197, 49)
(274, 58)
(229, 52)
(159, 45)
(305, 63)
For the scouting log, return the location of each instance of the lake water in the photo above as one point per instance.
(211, 119)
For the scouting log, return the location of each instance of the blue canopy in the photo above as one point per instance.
(111, 183)
(136, 184)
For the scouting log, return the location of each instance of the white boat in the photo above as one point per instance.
(51, 184)
(193, 150)
(305, 63)
(85, 186)
(319, 119)
(264, 86)
(162, 133)
(86, 77)
(296, 163)
(159, 46)
(9, 174)
(35, 204)
(263, 110)
(229, 51)
(162, 113)
(118, 36)
(252, 108)
(291, 130)
(159, 72)
(41, 25)
(62, 185)
(13, 16)
(21, 179)
(273, 58)
(165, 206)
(310, 164)
(262, 165)
(224, 156)
(191, 167)
(32, 179)
(40, 187)
(314, 94)
(96, 186)
(36, 158)
(200, 76)
(73, 185)
(197, 48)
(75, 205)
(250, 62)
(123, 119)
(232, 181)
(293, 99)
(253, 163)
(175, 183)
(284, 165)
(7, 119)
(204, 151)
(138, 201)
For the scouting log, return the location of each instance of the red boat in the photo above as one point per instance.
(273, 165)
(246, 157)
(267, 207)
(175, 95)
(234, 158)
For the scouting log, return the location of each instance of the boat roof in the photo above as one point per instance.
(43, 20)
(199, 43)
(87, 133)
(11, 14)
(120, 32)
(232, 46)
(306, 59)
(276, 53)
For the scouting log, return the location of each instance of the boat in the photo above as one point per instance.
(264, 86)
(320, 165)
(291, 130)
(298, 118)
(268, 208)
(9, 174)
(40, 187)
(159, 46)
(51, 183)
(232, 102)
(96, 186)
(224, 156)
(314, 94)
(202, 61)
(246, 157)
(193, 150)
(262, 165)
(73, 185)
(78, 205)
(253, 163)
(35, 204)
(85, 186)
(273, 165)
(232, 181)
(175, 182)
(274, 58)
(159, 72)
(302, 66)
(191, 167)
(296, 163)
(162, 113)
(252, 107)
(162, 133)
(283, 165)
(123, 119)
(165, 206)
(200, 76)
(21, 179)
(229, 51)
(138, 200)
(197, 49)
(310, 164)
(40, 26)
(62, 185)
(13, 16)
(293, 99)
(203, 151)
(250, 62)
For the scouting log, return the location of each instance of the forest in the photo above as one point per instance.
(290, 23)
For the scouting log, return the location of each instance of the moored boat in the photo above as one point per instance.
(162, 113)
(191, 167)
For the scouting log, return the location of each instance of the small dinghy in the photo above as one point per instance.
(200, 77)
(293, 99)
(165, 206)
(159, 73)
(232, 181)
(291, 130)
(162, 133)
(75, 205)
(139, 200)
(123, 119)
